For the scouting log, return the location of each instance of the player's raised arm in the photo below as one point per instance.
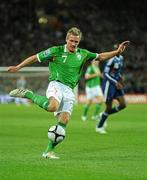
(24, 63)
(108, 55)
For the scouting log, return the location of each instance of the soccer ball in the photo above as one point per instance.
(56, 133)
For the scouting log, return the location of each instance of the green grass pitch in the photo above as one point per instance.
(84, 155)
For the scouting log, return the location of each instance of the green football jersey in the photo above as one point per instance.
(95, 81)
(64, 66)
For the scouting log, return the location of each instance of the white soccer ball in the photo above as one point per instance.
(56, 133)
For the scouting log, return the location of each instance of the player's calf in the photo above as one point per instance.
(122, 106)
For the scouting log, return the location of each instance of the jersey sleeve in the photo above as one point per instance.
(91, 56)
(47, 54)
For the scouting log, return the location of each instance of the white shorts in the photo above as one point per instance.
(63, 94)
(93, 92)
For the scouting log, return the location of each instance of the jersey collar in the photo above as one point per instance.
(65, 48)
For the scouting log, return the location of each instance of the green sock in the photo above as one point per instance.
(62, 124)
(41, 101)
(50, 146)
(97, 108)
(86, 107)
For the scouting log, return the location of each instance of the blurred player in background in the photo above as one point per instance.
(93, 90)
(65, 66)
(112, 89)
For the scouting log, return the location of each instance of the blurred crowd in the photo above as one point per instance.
(29, 26)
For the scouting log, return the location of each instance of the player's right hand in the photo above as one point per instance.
(12, 69)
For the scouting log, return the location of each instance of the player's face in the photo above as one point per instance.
(72, 42)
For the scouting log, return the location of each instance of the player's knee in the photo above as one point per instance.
(53, 106)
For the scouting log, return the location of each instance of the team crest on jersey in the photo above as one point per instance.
(79, 56)
(46, 52)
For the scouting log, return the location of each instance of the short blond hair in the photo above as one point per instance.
(74, 31)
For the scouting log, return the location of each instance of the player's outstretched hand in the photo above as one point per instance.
(123, 46)
(12, 69)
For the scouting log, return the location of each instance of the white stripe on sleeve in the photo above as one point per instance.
(38, 58)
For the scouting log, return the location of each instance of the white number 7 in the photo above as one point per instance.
(65, 57)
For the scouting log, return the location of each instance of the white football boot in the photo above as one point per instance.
(50, 155)
(19, 93)
(101, 130)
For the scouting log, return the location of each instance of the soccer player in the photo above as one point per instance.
(65, 66)
(112, 87)
(93, 90)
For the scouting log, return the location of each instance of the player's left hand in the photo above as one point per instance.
(123, 46)
(13, 69)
